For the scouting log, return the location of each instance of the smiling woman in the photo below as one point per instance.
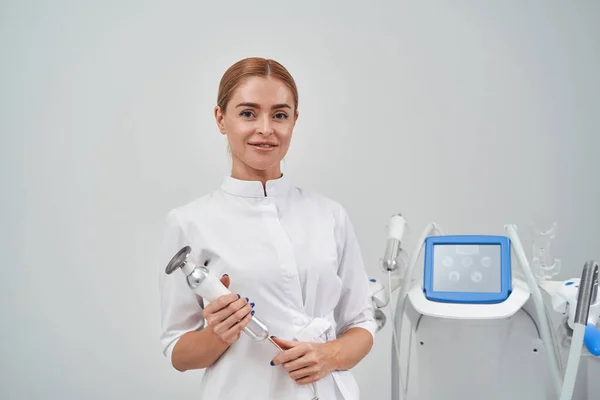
(287, 253)
(257, 108)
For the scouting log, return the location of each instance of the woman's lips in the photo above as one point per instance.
(263, 147)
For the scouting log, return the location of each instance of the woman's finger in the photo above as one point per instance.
(307, 360)
(220, 303)
(291, 354)
(228, 311)
(309, 379)
(305, 372)
(234, 332)
(285, 344)
(225, 280)
(239, 327)
(234, 318)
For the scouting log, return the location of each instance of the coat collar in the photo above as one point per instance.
(238, 187)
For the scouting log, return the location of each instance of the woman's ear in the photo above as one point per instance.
(219, 117)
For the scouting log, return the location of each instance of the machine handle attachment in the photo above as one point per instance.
(588, 295)
(588, 292)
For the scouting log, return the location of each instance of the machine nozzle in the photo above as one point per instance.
(179, 260)
(394, 257)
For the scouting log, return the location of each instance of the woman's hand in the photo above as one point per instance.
(306, 362)
(228, 315)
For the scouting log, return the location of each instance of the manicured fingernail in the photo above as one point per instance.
(272, 364)
(238, 296)
(273, 337)
(247, 299)
(252, 312)
(251, 304)
(224, 275)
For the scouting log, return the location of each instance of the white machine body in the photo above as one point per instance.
(492, 356)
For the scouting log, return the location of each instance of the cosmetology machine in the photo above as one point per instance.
(470, 325)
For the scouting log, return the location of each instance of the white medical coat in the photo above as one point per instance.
(294, 254)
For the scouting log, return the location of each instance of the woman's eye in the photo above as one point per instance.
(281, 116)
(246, 114)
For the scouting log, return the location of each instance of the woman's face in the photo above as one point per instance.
(258, 122)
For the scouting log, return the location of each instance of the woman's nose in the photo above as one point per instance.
(266, 126)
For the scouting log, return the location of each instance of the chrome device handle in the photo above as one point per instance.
(588, 292)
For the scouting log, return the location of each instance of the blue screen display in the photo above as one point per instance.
(466, 268)
(474, 269)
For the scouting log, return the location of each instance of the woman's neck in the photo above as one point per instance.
(244, 172)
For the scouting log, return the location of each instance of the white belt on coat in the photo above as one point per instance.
(318, 330)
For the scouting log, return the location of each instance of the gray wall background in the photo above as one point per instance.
(471, 114)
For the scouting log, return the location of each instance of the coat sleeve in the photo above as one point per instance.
(354, 308)
(180, 307)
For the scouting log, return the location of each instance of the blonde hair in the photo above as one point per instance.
(253, 66)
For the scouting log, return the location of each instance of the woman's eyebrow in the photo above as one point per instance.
(254, 105)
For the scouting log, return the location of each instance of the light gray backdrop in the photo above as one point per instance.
(470, 114)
